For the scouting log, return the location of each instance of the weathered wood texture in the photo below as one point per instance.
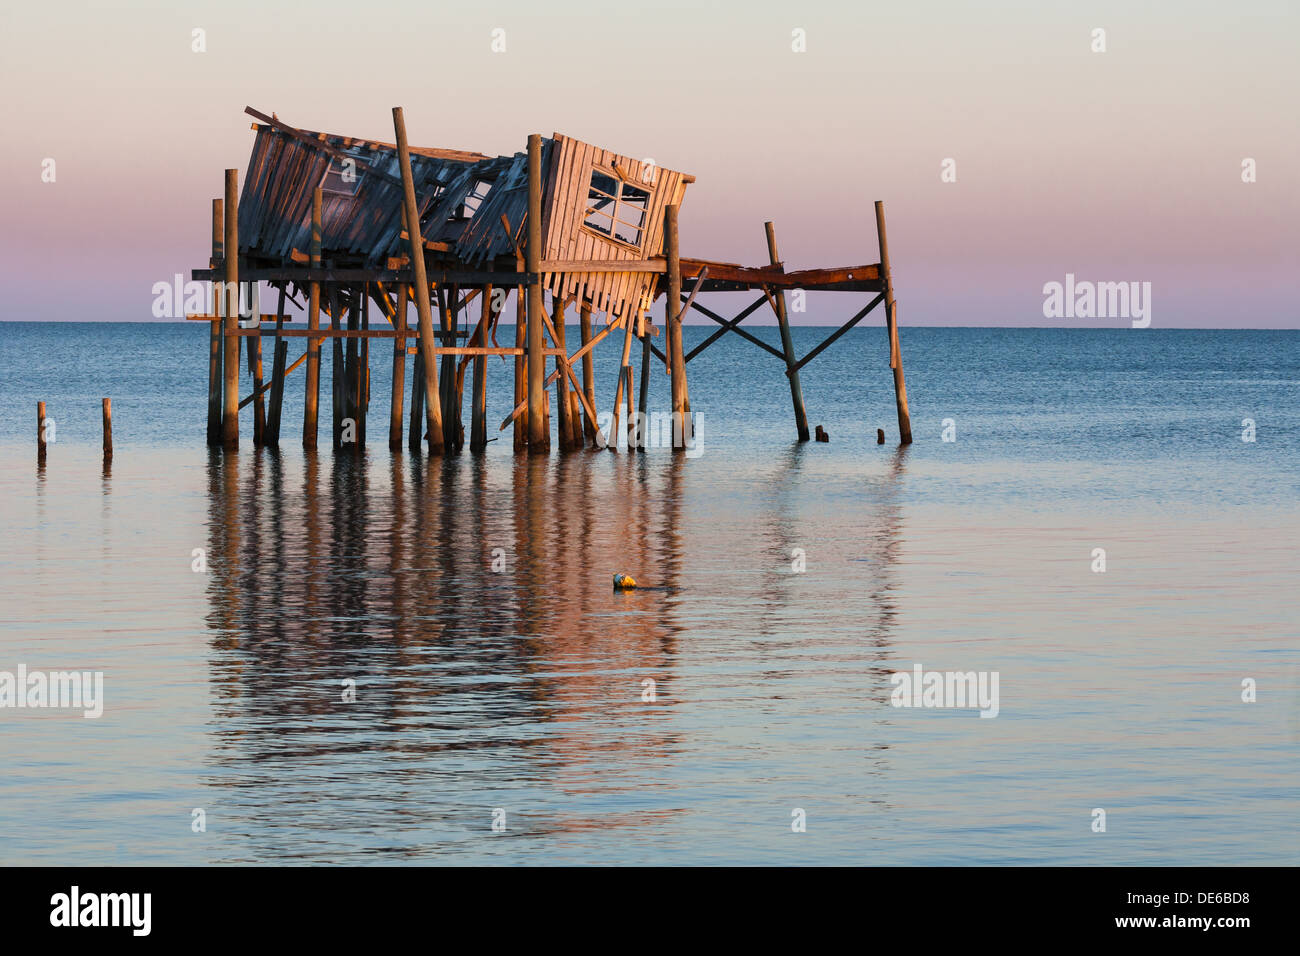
(891, 320)
(567, 237)
(230, 361)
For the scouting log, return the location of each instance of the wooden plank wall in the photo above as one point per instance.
(564, 237)
(275, 210)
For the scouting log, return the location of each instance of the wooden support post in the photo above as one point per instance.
(575, 421)
(418, 394)
(108, 427)
(312, 403)
(365, 362)
(338, 372)
(588, 371)
(628, 323)
(255, 369)
(433, 410)
(643, 402)
(633, 433)
(787, 342)
(216, 345)
(449, 297)
(891, 320)
(358, 366)
(271, 436)
(351, 368)
(521, 369)
(40, 433)
(478, 417)
(562, 382)
(399, 373)
(522, 406)
(230, 361)
(538, 425)
(677, 364)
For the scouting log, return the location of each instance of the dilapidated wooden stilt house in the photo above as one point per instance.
(338, 224)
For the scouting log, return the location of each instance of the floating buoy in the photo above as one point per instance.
(624, 582)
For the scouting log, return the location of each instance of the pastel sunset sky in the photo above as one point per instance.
(1116, 165)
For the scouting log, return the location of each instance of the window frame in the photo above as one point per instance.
(612, 214)
(335, 169)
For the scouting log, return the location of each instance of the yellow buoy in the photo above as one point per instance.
(624, 582)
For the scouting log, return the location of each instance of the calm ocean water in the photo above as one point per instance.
(480, 689)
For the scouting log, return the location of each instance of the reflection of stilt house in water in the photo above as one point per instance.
(325, 217)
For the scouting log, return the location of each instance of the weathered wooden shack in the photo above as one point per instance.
(341, 223)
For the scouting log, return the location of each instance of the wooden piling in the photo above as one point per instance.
(255, 369)
(673, 322)
(576, 438)
(891, 320)
(478, 417)
(449, 300)
(787, 342)
(216, 345)
(365, 362)
(562, 403)
(628, 324)
(271, 437)
(399, 373)
(352, 368)
(357, 355)
(538, 427)
(313, 323)
(230, 361)
(633, 433)
(418, 394)
(338, 372)
(643, 402)
(433, 411)
(520, 430)
(40, 433)
(108, 427)
(588, 371)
